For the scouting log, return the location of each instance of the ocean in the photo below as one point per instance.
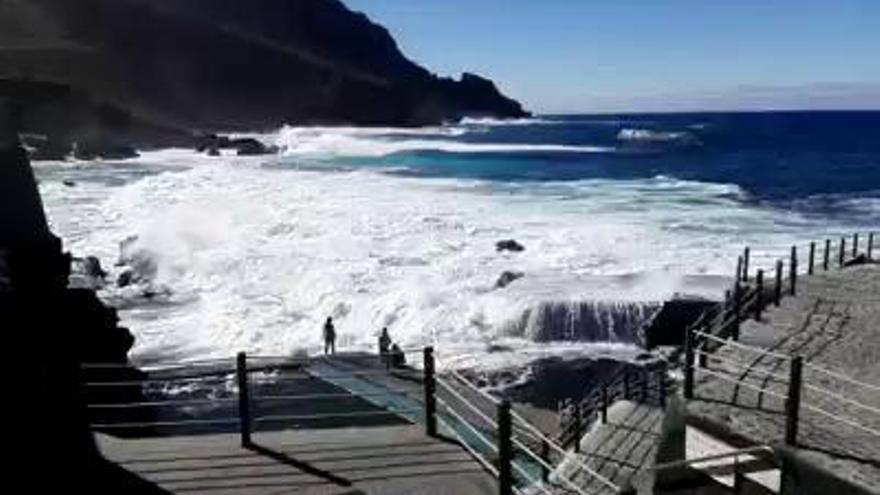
(398, 228)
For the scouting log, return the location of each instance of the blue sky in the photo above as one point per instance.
(620, 55)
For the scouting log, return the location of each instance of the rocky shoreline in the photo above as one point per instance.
(114, 76)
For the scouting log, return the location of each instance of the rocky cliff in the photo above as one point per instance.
(219, 65)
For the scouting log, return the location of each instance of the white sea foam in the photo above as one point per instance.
(489, 121)
(256, 257)
(647, 135)
(360, 142)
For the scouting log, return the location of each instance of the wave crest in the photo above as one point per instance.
(651, 136)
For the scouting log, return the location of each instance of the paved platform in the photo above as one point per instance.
(619, 448)
(378, 460)
(833, 322)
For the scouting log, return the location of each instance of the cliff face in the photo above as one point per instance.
(229, 65)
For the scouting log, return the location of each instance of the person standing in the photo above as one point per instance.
(384, 345)
(329, 337)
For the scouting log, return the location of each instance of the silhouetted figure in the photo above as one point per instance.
(384, 344)
(398, 359)
(329, 337)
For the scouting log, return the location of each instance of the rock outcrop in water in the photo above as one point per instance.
(152, 72)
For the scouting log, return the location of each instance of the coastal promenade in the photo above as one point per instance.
(379, 459)
(779, 394)
(804, 378)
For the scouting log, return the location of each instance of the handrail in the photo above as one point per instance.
(746, 384)
(476, 455)
(543, 463)
(472, 407)
(743, 366)
(836, 396)
(355, 414)
(841, 420)
(522, 472)
(840, 376)
(713, 457)
(756, 350)
(518, 418)
(184, 422)
(162, 403)
(326, 396)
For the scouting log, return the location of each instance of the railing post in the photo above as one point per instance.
(739, 268)
(604, 410)
(825, 262)
(244, 399)
(777, 293)
(689, 364)
(812, 258)
(842, 251)
(737, 303)
(430, 385)
(661, 384)
(759, 298)
(577, 426)
(505, 449)
(870, 245)
(855, 249)
(644, 385)
(792, 271)
(793, 401)
(545, 456)
(745, 277)
(702, 359)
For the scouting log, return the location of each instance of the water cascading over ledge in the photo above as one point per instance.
(587, 321)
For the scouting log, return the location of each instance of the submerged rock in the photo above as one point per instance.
(252, 147)
(509, 245)
(861, 259)
(507, 278)
(105, 151)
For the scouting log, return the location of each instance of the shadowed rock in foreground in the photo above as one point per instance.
(49, 331)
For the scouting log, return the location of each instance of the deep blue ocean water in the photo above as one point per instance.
(808, 160)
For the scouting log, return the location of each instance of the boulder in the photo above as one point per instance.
(100, 150)
(252, 147)
(860, 259)
(509, 245)
(507, 278)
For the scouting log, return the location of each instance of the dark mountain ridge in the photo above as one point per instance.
(150, 71)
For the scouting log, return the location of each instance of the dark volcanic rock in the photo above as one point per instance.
(157, 70)
(507, 278)
(106, 151)
(53, 331)
(251, 147)
(668, 326)
(509, 245)
(861, 259)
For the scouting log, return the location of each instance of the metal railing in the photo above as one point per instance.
(499, 432)
(640, 384)
(501, 440)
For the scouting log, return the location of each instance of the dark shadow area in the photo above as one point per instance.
(107, 477)
(300, 465)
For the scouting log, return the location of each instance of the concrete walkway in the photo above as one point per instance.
(617, 449)
(380, 460)
(834, 323)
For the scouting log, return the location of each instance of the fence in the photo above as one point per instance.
(641, 384)
(448, 404)
(720, 327)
